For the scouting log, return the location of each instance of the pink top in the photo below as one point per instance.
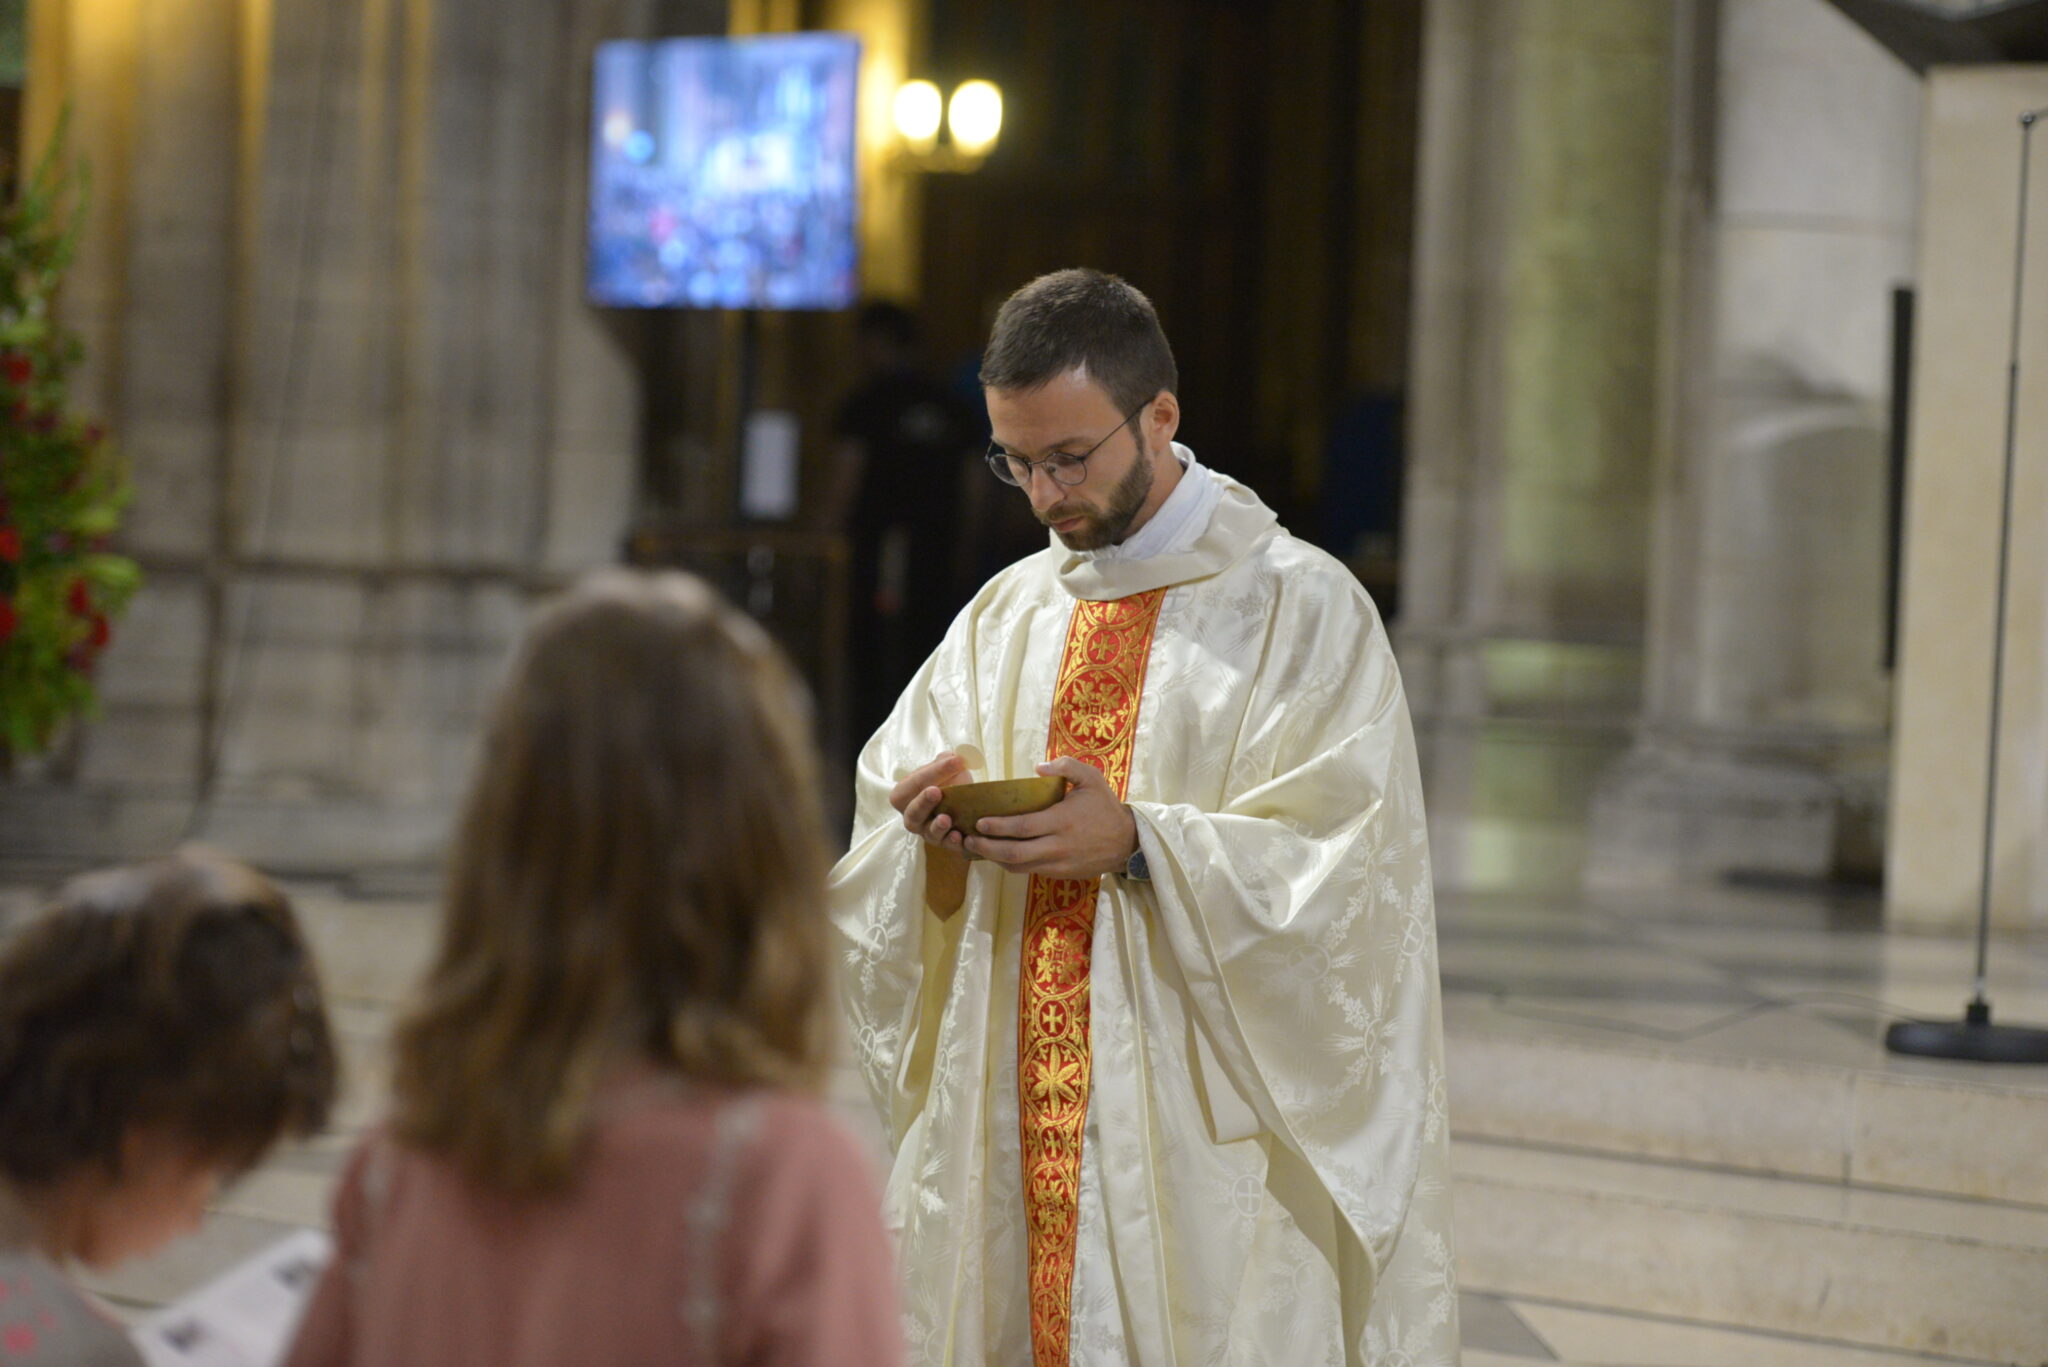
(706, 1227)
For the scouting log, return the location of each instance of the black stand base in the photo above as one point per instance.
(1974, 1037)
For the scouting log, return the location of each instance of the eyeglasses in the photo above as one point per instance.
(1064, 468)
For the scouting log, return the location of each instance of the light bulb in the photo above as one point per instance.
(975, 117)
(917, 113)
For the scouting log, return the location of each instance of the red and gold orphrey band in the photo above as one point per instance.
(1095, 720)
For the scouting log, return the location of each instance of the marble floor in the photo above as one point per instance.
(1754, 979)
(1711, 1065)
(1737, 973)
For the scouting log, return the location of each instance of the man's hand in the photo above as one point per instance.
(917, 798)
(1086, 833)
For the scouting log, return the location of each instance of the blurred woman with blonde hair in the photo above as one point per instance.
(604, 1145)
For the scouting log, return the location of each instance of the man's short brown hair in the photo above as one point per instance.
(1081, 320)
(176, 996)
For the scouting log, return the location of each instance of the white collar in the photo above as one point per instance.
(1179, 522)
(1236, 528)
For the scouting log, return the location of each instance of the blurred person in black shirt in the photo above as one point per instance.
(906, 446)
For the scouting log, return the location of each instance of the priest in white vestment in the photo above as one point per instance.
(1227, 1143)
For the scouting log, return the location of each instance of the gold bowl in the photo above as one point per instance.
(968, 803)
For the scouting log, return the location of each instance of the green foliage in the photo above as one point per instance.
(62, 487)
(13, 41)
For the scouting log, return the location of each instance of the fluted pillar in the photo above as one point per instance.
(1540, 251)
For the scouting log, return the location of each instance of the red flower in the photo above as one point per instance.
(7, 620)
(78, 597)
(18, 368)
(94, 434)
(10, 544)
(101, 632)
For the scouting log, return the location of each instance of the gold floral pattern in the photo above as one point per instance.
(1095, 720)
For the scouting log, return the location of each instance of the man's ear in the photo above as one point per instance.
(1161, 419)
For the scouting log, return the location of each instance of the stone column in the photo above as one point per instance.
(1969, 206)
(332, 291)
(1534, 401)
(1765, 702)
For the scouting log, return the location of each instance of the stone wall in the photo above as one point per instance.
(331, 291)
(1969, 200)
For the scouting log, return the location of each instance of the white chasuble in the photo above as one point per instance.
(1263, 1171)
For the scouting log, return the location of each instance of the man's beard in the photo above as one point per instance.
(1107, 527)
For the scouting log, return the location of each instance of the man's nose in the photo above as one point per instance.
(1041, 478)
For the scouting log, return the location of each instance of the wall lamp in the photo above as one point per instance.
(973, 121)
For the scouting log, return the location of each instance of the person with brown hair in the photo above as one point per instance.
(602, 1146)
(161, 1028)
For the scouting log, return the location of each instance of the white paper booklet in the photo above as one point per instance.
(246, 1316)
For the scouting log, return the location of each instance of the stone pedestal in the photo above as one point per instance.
(1765, 710)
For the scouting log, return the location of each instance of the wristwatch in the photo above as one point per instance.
(1135, 866)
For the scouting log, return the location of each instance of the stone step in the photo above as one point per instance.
(1822, 1259)
(1957, 1130)
(371, 952)
(1575, 1336)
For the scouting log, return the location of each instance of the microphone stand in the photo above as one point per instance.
(1974, 1036)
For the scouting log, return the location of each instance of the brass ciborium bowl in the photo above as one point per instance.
(968, 803)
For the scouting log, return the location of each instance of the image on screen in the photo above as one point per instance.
(722, 173)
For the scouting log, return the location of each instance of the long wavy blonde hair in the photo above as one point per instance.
(638, 877)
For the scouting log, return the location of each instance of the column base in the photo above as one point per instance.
(1667, 817)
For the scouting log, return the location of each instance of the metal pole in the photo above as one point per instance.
(2012, 406)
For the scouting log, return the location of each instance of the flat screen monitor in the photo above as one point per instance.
(722, 173)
